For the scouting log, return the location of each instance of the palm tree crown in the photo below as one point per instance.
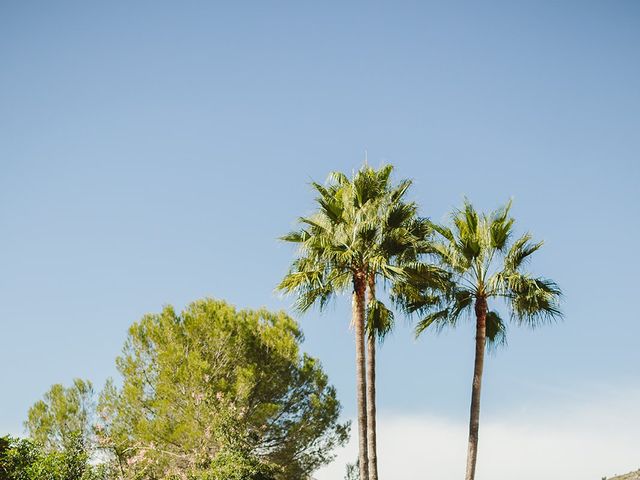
(362, 227)
(481, 263)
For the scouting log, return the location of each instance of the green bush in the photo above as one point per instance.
(22, 459)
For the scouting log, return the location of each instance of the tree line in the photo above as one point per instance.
(216, 393)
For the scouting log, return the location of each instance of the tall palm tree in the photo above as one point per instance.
(380, 322)
(483, 265)
(341, 245)
(400, 241)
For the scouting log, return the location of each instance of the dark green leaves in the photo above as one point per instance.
(439, 317)
(533, 300)
(477, 253)
(380, 319)
(496, 330)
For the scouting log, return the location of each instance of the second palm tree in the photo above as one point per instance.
(482, 264)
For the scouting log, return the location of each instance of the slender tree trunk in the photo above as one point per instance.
(371, 390)
(474, 420)
(359, 292)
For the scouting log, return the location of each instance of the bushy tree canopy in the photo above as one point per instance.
(213, 390)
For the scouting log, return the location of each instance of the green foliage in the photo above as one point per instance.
(475, 258)
(62, 415)
(213, 387)
(22, 459)
(230, 465)
(380, 319)
(363, 227)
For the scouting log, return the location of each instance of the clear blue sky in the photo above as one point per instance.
(152, 152)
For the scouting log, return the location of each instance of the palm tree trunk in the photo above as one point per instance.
(371, 391)
(474, 420)
(359, 291)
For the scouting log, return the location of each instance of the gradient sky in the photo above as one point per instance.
(152, 152)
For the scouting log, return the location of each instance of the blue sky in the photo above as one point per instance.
(152, 152)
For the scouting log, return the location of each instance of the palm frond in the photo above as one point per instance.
(400, 190)
(339, 178)
(380, 320)
(500, 228)
(443, 230)
(436, 318)
(496, 331)
(299, 236)
(533, 301)
(520, 251)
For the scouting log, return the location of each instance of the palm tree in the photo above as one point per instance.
(400, 240)
(380, 322)
(344, 244)
(483, 264)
